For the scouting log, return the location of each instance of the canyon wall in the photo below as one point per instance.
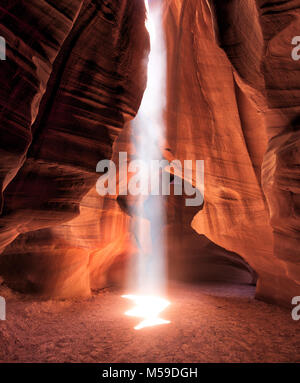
(233, 102)
(74, 79)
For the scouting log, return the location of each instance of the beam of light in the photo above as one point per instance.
(147, 308)
(148, 274)
(148, 127)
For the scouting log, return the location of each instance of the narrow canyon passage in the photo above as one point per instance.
(209, 323)
(208, 88)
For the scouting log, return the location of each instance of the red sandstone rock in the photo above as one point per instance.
(72, 80)
(218, 99)
(96, 84)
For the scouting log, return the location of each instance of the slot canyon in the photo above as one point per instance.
(72, 85)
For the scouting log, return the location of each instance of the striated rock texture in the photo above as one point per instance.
(90, 57)
(193, 257)
(34, 36)
(74, 77)
(280, 22)
(232, 101)
(58, 237)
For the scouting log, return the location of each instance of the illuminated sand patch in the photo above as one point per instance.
(148, 308)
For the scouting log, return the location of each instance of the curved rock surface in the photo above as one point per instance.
(231, 93)
(95, 85)
(280, 172)
(73, 79)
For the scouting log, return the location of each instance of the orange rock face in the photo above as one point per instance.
(227, 106)
(71, 83)
(72, 80)
(280, 170)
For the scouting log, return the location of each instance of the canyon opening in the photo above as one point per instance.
(149, 183)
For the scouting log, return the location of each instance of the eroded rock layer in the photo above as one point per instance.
(95, 86)
(227, 106)
(74, 77)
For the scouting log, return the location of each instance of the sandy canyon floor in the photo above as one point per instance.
(209, 323)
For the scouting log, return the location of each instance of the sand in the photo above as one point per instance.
(209, 323)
